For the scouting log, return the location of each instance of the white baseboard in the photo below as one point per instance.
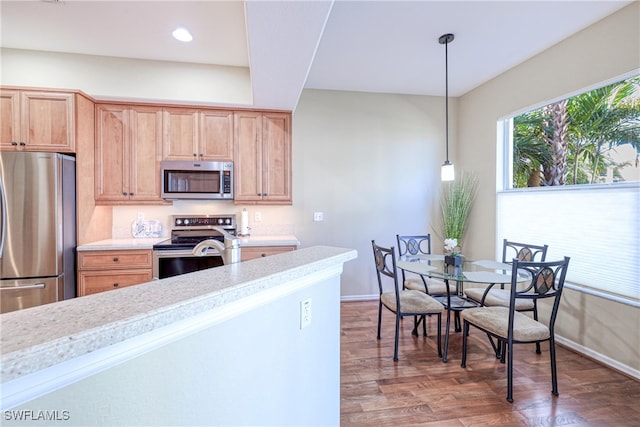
(352, 298)
(601, 358)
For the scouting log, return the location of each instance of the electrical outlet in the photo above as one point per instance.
(318, 216)
(257, 216)
(305, 313)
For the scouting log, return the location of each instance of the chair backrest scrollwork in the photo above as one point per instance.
(414, 245)
(546, 280)
(523, 251)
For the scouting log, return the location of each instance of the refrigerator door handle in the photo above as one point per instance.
(22, 288)
(3, 218)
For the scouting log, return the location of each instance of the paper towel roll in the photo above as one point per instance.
(244, 223)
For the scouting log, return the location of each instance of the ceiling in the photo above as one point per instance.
(370, 46)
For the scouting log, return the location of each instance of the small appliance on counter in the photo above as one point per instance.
(141, 229)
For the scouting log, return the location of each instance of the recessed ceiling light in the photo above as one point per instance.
(182, 34)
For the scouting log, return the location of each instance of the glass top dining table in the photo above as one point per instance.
(479, 271)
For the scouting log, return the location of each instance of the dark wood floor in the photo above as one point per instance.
(420, 390)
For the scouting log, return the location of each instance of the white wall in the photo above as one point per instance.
(130, 79)
(371, 163)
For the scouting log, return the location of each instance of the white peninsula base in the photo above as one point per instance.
(228, 349)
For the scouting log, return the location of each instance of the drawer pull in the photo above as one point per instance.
(115, 285)
(115, 259)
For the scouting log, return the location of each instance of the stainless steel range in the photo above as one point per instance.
(175, 256)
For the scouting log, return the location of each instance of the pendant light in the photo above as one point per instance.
(447, 173)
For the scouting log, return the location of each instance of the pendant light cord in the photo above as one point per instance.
(446, 95)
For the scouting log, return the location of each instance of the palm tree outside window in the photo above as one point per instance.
(591, 138)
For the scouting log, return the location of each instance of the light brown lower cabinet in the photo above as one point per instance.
(100, 271)
(253, 252)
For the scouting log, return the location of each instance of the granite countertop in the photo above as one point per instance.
(43, 336)
(270, 240)
(121, 244)
(127, 244)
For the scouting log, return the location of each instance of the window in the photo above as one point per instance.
(590, 138)
(571, 179)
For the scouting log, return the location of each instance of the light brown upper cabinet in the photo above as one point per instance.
(262, 157)
(198, 134)
(128, 154)
(37, 120)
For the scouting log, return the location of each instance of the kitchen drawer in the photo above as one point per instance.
(253, 252)
(125, 259)
(99, 281)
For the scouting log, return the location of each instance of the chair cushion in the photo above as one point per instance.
(498, 298)
(436, 287)
(412, 302)
(496, 321)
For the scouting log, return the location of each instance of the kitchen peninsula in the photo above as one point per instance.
(229, 345)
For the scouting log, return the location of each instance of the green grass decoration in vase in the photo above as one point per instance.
(456, 201)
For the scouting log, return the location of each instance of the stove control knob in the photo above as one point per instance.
(178, 221)
(228, 221)
(186, 222)
(220, 221)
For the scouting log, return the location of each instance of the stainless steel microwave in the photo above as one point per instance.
(197, 180)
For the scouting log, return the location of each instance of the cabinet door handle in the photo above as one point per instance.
(124, 193)
(115, 285)
(14, 143)
(23, 143)
(263, 255)
(115, 259)
(131, 194)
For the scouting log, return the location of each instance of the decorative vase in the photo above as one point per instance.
(453, 264)
(453, 260)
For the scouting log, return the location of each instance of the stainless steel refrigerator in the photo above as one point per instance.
(37, 229)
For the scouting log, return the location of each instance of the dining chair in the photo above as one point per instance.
(493, 296)
(509, 326)
(420, 245)
(402, 302)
